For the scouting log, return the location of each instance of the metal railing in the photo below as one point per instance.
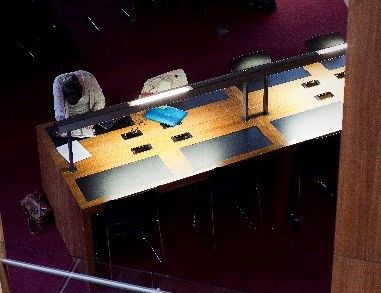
(199, 88)
(80, 277)
(34, 270)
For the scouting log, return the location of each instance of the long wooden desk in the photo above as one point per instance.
(219, 137)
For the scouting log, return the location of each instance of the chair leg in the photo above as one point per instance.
(296, 201)
(323, 184)
(252, 219)
(93, 24)
(207, 233)
(160, 235)
(160, 256)
(212, 222)
(325, 187)
(157, 256)
(109, 251)
(129, 10)
(195, 222)
(244, 214)
(259, 189)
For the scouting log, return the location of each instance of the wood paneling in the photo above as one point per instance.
(358, 218)
(353, 275)
(67, 212)
(358, 226)
(4, 286)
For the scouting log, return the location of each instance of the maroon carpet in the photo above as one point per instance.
(122, 56)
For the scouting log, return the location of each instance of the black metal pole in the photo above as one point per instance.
(265, 95)
(245, 102)
(72, 167)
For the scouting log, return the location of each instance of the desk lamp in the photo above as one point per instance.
(159, 96)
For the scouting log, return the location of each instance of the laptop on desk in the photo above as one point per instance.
(113, 124)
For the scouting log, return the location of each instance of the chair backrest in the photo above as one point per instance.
(166, 81)
(249, 60)
(131, 209)
(323, 41)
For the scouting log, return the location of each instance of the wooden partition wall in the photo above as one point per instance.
(357, 255)
(4, 288)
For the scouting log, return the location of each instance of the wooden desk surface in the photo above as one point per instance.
(206, 122)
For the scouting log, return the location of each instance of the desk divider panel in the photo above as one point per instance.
(279, 78)
(334, 63)
(123, 178)
(122, 123)
(312, 123)
(202, 100)
(58, 140)
(213, 151)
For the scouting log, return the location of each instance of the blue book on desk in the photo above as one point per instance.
(165, 114)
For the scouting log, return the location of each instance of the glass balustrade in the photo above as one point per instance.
(37, 270)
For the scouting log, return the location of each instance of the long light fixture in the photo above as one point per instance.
(332, 49)
(160, 96)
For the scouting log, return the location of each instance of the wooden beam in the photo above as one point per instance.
(358, 220)
(353, 275)
(4, 286)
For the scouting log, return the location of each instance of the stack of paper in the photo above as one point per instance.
(79, 152)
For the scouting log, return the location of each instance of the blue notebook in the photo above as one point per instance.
(165, 114)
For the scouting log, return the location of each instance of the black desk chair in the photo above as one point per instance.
(227, 189)
(314, 165)
(320, 160)
(309, 163)
(320, 170)
(230, 185)
(323, 41)
(131, 219)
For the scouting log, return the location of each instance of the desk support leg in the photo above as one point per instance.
(265, 95)
(245, 102)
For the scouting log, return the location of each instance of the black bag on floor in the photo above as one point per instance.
(37, 208)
